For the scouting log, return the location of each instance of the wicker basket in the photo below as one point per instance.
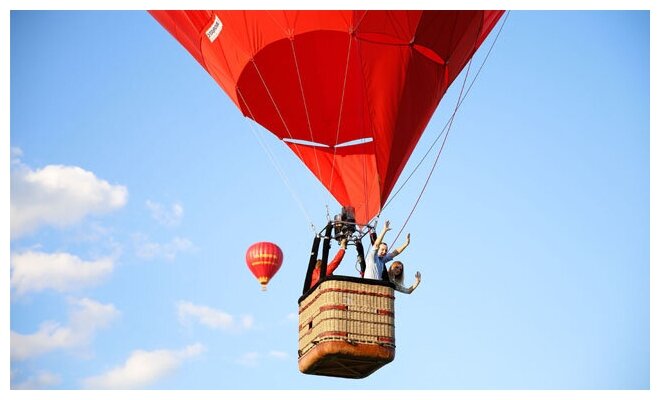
(346, 327)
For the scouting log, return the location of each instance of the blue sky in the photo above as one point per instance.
(137, 186)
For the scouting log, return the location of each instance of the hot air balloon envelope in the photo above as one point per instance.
(350, 92)
(264, 259)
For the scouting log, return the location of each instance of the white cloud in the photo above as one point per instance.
(33, 271)
(58, 195)
(85, 319)
(148, 250)
(42, 380)
(212, 318)
(16, 153)
(164, 216)
(143, 368)
(280, 355)
(247, 321)
(250, 359)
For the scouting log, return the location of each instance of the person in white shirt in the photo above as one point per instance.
(378, 256)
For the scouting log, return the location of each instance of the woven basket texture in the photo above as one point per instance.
(349, 311)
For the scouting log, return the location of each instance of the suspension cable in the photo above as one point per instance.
(277, 109)
(448, 121)
(267, 150)
(341, 107)
(302, 93)
(275, 164)
(290, 34)
(448, 126)
(279, 113)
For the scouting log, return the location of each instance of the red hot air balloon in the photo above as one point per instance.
(264, 260)
(350, 92)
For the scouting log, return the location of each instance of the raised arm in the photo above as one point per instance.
(408, 290)
(332, 266)
(380, 237)
(401, 248)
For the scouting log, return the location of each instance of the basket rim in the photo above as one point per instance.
(345, 278)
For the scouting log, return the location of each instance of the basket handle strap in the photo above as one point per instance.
(314, 256)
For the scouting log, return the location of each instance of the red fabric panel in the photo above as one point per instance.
(351, 164)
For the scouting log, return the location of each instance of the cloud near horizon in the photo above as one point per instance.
(143, 368)
(146, 249)
(59, 196)
(168, 217)
(86, 318)
(41, 380)
(33, 271)
(212, 318)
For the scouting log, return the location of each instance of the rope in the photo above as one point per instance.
(275, 164)
(302, 93)
(448, 121)
(267, 150)
(360, 21)
(309, 122)
(428, 178)
(341, 108)
(448, 126)
(295, 145)
(365, 187)
(277, 109)
(289, 33)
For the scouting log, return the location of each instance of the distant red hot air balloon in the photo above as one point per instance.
(264, 260)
